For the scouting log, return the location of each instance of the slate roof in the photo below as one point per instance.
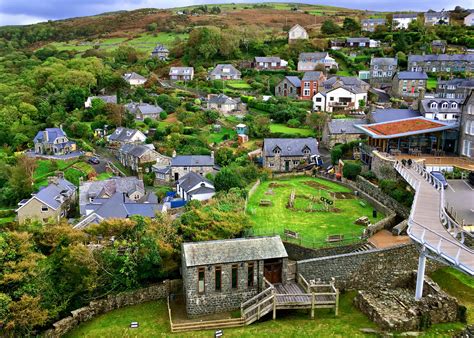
(374, 21)
(345, 80)
(133, 76)
(312, 57)
(405, 16)
(294, 80)
(143, 108)
(426, 104)
(181, 70)
(192, 161)
(311, 76)
(225, 69)
(441, 57)
(387, 115)
(221, 99)
(467, 83)
(190, 180)
(161, 169)
(358, 40)
(122, 134)
(383, 62)
(412, 76)
(436, 14)
(232, 251)
(268, 59)
(54, 194)
(105, 98)
(53, 133)
(135, 150)
(345, 126)
(160, 49)
(290, 146)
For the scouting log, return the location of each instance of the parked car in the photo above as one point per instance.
(439, 175)
(93, 160)
(470, 178)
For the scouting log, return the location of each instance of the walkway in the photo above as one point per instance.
(430, 225)
(385, 239)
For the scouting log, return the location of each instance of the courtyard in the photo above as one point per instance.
(317, 210)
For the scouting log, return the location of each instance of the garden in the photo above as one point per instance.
(314, 208)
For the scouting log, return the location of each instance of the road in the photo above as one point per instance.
(460, 196)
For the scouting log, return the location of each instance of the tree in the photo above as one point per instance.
(226, 179)
(350, 25)
(115, 114)
(329, 27)
(26, 315)
(21, 177)
(152, 27)
(351, 170)
(260, 127)
(224, 156)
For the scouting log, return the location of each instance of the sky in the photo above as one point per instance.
(22, 12)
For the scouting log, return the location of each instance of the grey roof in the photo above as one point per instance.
(468, 83)
(122, 134)
(383, 61)
(345, 80)
(161, 169)
(345, 126)
(132, 76)
(190, 180)
(412, 76)
(267, 59)
(135, 150)
(290, 146)
(375, 21)
(192, 161)
(438, 43)
(441, 57)
(53, 133)
(105, 98)
(202, 190)
(221, 99)
(388, 115)
(312, 57)
(224, 69)
(233, 250)
(358, 40)
(55, 193)
(294, 80)
(426, 104)
(311, 76)
(405, 16)
(143, 108)
(181, 70)
(436, 14)
(160, 49)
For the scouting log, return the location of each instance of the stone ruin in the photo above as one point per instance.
(395, 309)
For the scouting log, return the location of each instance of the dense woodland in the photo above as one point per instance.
(48, 270)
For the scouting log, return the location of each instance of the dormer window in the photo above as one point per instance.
(444, 105)
(129, 133)
(454, 105)
(306, 151)
(433, 105)
(276, 151)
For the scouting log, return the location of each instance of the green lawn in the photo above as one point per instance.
(313, 227)
(431, 83)
(238, 84)
(281, 128)
(104, 176)
(219, 137)
(343, 73)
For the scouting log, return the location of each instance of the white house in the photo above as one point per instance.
(193, 186)
(105, 98)
(469, 20)
(340, 98)
(309, 61)
(134, 79)
(223, 104)
(297, 32)
(181, 73)
(123, 135)
(401, 21)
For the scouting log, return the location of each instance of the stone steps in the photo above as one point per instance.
(365, 247)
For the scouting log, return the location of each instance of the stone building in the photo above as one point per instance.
(441, 63)
(220, 275)
(135, 156)
(297, 32)
(466, 134)
(454, 89)
(290, 86)
(123, 135)
(381, 71)
(160, 52)
(53, 141)
(180, 165)
(339, 131)
(369, 25)
(309, 61)
(286, 154)
(224, 104)
(409, 85)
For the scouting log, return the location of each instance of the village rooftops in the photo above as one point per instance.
(405, 127)
(233, 251)
(123, 134)
(143, 108)
(374, 21)
(191, 180)
(312, 57)
(222, 99)
(441, 57)
(181, 70)
(225, 70)
(388, 115)
(460, 83)
(192, 161)
(358, 40)
(405, 16)
(268, 59)
(412, 76)
(52, 135)
(136, 150)
(54, 194)
(345, 126)
(442, 105)
(383, 61)
(105, 98)
(133, 76)
(290, 146)
(294, 80)
(311, 76)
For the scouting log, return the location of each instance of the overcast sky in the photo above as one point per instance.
(20, 12)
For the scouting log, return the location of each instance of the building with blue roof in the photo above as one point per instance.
(53, 141)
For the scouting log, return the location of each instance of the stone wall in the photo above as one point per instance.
(374, 191)
(363, 270)
(387, 223)
(297, 252)
(112, 302)
(382, 166)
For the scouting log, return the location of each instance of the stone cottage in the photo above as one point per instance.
(135, 156)
(286, 154)
(288, 87)
(53, 141)
(220, 275)
(381, 71)
(224, 104)
(342, 131)
(409, 85)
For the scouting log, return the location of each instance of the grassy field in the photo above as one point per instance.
(238, 84)
(312, 226)
(431, 83)
(219, 137)
(281, 128)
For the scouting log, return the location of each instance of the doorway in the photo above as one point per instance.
(176, 176)
(272, 269)
(287, 165)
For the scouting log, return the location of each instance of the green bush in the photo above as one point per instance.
(294, 123)
(336, 154)
(351, 170)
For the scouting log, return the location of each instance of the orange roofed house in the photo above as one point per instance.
(416, 135)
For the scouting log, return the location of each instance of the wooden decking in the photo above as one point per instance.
(291, 293)
(428, 223)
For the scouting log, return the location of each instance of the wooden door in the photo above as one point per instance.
(272, 272)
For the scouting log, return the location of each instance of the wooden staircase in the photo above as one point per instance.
(258, 306)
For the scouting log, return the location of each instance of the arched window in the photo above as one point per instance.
(444, 105)
(433, 105)
(454, 105)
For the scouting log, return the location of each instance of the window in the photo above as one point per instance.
(389, 73)
(201, 272)
(376, 67)
(276, 150)
(44, 209)
(331, 98)
(468, 127)
(235, 274)
(218, 278)
(454, 105)
(433, 105)
(466, 149)
(306, 84)
(250, 275)
(271, 165)
(296, 162)
(444, 105)
(306, 92)
(318, 99)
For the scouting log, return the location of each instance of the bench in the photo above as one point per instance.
(334, 238)
(290, 233)
(265, 203)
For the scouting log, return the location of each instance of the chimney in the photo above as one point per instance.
(212, 154)
(53, 180)
(174, 154)
(45, 136)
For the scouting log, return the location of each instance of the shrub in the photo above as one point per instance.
(336, 154)
(294, 123)
(163, 115)
(351, 170)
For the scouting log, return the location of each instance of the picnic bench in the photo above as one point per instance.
(290, 233)
(334, 238)
(265, 203)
